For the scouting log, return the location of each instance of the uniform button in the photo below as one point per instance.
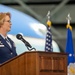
(11, 53)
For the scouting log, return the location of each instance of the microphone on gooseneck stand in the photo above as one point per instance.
(20, 37)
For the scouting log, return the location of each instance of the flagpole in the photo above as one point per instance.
(48, 18)
(48, 43)
(48, 15)
(68, 22)
(68, 19)
(70, 48)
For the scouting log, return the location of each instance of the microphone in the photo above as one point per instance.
(20, 37)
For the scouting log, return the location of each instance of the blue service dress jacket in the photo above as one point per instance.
(6, 52)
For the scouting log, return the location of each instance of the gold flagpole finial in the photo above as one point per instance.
(48, 17)
(68, 22)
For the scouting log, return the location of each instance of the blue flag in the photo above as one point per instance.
(69, 46)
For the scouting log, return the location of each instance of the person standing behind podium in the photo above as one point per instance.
(7, 46)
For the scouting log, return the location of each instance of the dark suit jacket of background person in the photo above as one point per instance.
(6, 52)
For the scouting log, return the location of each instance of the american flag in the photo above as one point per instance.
(48, 43)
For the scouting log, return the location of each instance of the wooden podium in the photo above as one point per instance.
(36, 63)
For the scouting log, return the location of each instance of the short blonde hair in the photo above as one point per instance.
(2, 16)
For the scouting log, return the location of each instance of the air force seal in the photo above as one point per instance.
(71, 69)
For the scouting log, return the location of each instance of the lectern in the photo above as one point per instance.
(36, 63)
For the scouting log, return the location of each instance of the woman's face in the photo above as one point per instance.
(7, 24)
